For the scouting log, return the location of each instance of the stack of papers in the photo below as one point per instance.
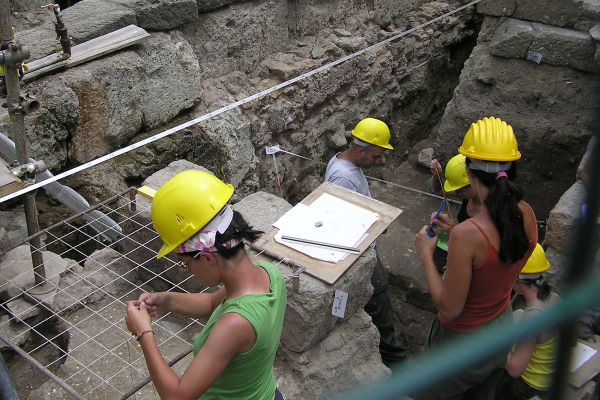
(328, 219)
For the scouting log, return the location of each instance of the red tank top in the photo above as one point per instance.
(489, 291)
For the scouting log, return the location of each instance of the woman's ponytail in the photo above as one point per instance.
(502, 203)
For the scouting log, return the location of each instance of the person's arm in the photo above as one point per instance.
(518, 359)
(450, 293)
(194, 305)
(232, 334)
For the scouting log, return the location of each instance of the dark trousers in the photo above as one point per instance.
(510, 388)
(474, 383)
(391, 345)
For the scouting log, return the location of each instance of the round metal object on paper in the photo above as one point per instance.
(318, 224)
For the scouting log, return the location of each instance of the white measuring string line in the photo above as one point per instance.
(228, 107)
(377, 179)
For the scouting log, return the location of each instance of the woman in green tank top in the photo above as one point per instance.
(235, 351)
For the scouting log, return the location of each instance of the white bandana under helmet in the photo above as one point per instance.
(204, 240)
(489, 166)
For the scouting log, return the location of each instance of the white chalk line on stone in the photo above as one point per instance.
(228, 107)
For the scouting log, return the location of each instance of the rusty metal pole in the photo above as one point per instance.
(13, 56)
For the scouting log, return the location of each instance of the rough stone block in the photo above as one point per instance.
(347, 358)
(112, 90)
(106, 272)
(589, 15)
(238, 37)
(26, 5)
(262, 209)
(312, 16)
(557, 274)
(516, 39)
(40, 41)
(16, 269)
(142, 243)
(49, 127)
(21, 309)
(166, 14)
(512, 38)
(209, 5)
(497, 8)
(586, 156)
(425, 156)
(171, 77)
(15, 332)
(13, 228)
(92, 18)
(561, 222)
(553, 12)
(308, 317)
(351, 44)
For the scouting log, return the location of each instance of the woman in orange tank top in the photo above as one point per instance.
(485, 254)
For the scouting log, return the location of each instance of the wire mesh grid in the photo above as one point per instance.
(74, 324)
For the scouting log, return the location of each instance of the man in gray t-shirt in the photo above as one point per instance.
(371, 139)
(347, 174)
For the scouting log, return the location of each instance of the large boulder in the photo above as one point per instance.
(171, 80)
(111, 93)
(161, 15)
(238, 37)
(13, 228)
(519, 39)
(346, 358)
(560, 231)
(308, 318)
(564, 13)
(50, 128)
(89, 19)
(17, 269)
(106, 273)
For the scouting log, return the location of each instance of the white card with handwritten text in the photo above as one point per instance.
(339, 303)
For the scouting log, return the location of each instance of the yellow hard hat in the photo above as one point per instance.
(490, 139)
(537, 262)
(456, 173)
(185, 204)
(373, 131)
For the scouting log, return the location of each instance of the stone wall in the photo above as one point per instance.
(203, 55)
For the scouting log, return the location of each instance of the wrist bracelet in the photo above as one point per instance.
(139, 336)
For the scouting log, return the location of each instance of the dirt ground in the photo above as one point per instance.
(413, 309)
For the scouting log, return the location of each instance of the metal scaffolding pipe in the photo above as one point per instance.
(13, 56)
(43, 369)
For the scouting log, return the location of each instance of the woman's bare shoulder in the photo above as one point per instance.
(466, 230)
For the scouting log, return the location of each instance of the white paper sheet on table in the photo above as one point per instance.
(581, 353)
(343, 223)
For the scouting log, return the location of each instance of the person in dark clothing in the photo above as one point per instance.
(372, 138)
